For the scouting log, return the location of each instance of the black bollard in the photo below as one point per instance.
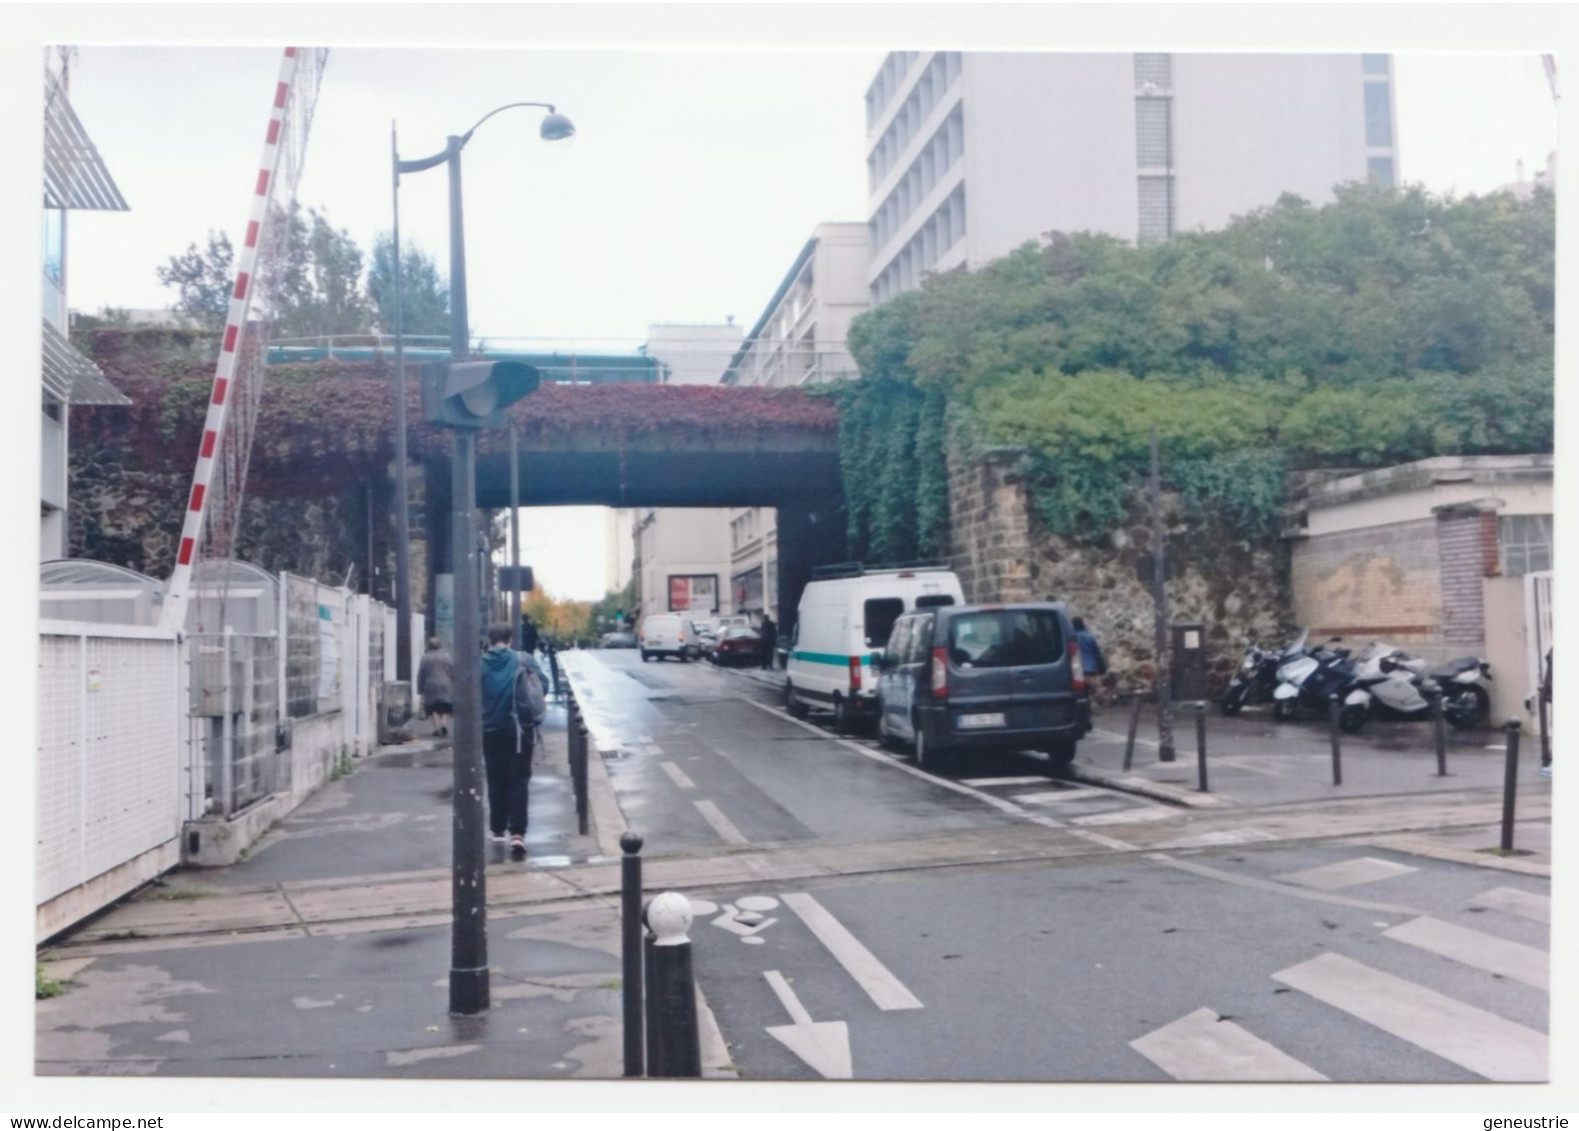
(650, 1031)
(1333, 711)
(1134, 725)
(578, 775)
(1510, 781)
(1200, 742)
(631, 948)
(1439, 733)
(671, 993)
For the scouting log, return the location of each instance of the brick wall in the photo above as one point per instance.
(989, 527)
(1383, 581)
(1462, 557)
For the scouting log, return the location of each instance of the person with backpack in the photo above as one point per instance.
(512, 708)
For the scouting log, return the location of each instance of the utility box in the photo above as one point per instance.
(1187, 662)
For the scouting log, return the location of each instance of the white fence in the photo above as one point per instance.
(111, 737)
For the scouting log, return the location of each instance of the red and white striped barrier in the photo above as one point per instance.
(173, 614)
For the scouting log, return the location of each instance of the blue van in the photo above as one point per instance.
(965, 678)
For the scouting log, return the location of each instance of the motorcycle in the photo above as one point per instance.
(1389, 679)
(1254, 682)
(1308, 679)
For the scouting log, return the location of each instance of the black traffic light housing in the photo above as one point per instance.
(473, 394)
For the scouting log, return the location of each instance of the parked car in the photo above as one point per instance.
(738, 646)
(845, 617)
(666, 634)
(706, 638)
(961, 679)
(619, 640)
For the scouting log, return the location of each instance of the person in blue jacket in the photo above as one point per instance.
(1091, 657)
(512, 708)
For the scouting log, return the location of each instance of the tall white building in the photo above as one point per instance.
(682, 561)
(800, 339)
(970, 154)
(693, 353)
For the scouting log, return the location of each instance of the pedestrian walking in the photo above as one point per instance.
(1091, 657)
(436, 685)
(512, 708)
(770, 638)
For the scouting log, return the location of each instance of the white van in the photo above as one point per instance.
(842, 627)
(666, 634)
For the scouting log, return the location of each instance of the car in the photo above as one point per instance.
(845, 616)
(619, 640)
(706, 638)
(666, 634)
(738, 646)
(958, 680)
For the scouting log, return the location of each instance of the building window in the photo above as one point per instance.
(1380, 170)
(55, 245)
(1378, 115)
(1154, 70)
(1374, 64)
(1153, 140)
(1156, 208)
(1525, 541)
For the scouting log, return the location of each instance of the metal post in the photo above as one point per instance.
(1510, 781)
(671, 999)
(1159, 596)
(1134, 724)
(631, 948)
(1334, 709)
(518, 629)
(1200, 742)
(1439, 733)
(402, 501)
(1543, 702)
(578, 770)
(227, 732)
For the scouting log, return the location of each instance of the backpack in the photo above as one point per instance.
(536, 703)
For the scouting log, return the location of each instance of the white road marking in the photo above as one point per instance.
(1269, 885)
(1125, 816)
(1525, 905)
(824, 1045)
(885, 990)
(1471, 1038)
(1220, 838)
(1104, 841)
(721, 824)
(1049, 796)
(677, 775)
(1346, 873)
(1040, 779)
(1202, 1046)
(1526, 964)
(883, 759)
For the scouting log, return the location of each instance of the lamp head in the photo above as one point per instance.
(556, 127)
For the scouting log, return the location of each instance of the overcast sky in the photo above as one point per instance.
(696, 174)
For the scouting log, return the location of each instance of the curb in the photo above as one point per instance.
(1156, 791)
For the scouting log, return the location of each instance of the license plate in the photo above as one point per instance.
(972, 722)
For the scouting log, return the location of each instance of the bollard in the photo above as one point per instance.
(671, 993)
(1334, 708)
(631, 948)
(578, 777)
(1510, 781)
(1134, 724)
(1200, 742)
(650, 1031)
(1439, 733)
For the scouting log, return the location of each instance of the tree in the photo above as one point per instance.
(425, 299)
(317, 290)
(203, 280)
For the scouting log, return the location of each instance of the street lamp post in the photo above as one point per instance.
(469, 924)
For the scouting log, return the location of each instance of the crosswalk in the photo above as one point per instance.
(1205, 1046)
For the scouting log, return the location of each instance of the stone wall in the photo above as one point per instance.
(1000, 551)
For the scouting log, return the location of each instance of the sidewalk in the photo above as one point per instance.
(325, 953)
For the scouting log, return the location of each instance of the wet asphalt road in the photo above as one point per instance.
(1056, 971)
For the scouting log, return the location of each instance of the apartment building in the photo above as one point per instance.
(682, 561)
(75, 177)
(970, 154)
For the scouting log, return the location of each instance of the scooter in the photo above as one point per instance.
(1399, 684)
(1255, 681)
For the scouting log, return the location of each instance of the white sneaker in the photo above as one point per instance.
(497, 838)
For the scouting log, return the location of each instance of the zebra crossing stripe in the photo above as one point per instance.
(1486, 952)
(1525, 905)
(1201, 1046)
(1471, 1038)
(1346, 873)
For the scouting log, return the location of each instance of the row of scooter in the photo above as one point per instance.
(1380, 679)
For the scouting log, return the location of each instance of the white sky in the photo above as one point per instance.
(695, 178)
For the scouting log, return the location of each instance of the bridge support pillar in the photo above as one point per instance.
(807, 537)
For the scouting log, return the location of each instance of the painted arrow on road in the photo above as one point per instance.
(824, 1045)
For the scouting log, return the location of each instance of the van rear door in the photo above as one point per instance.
(1040, 678)
(980, 685)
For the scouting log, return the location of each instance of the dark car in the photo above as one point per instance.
(619, 640)
(966, 678)
(738, 646)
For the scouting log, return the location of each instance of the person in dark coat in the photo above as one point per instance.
(436, 685)
(770, 638)
(509, 722)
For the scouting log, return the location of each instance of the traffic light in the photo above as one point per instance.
(473, 394)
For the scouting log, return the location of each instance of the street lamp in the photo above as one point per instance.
(466, 396)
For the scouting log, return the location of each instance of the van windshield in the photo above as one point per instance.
(881, 613)
(1005, 639)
